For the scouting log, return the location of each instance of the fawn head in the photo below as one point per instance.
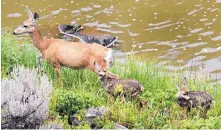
(28, 25)
(102, 65)
(182, 90)
(109, 76)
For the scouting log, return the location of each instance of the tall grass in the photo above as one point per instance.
(159, 90)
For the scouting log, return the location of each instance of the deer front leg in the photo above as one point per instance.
(57, 71)
(39, 60)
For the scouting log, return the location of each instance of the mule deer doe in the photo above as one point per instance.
(190, 99)
(60, 53)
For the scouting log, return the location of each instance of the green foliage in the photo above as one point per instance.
(13, 54)
(82, 89)
(67, 102)
(128, 114)
(9, 54)
(118, 89)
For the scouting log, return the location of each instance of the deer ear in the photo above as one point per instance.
(36, 16)
(177, 86)
(30, 15)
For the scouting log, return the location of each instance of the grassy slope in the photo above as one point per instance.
(159, 90)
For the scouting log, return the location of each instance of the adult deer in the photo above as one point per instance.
(60, 53)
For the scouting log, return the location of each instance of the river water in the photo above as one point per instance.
(181, 34)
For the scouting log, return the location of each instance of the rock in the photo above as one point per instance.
(90, 115)
(73, 120)
(95, 112)
(118, 126)
(51, 126)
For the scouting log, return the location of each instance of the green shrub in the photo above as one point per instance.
(14, 54)
(68, 102)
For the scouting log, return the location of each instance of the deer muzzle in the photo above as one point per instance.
(14, 33)
(101, 74)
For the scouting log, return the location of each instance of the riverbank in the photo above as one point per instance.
(82, 89)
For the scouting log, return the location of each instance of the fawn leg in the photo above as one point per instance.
(111, 98)
(140, 102)
(204, 113)
(143, 104)
(187, 111)
(122, 98)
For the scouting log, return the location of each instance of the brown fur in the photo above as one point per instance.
(130, 87)
(190, 99)
(60, 53)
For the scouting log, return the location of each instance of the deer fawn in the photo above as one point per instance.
(60, 53)
(115, 86)
(190, 99)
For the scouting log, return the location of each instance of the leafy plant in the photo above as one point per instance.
(68, 103)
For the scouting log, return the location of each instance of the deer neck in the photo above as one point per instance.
(37, 39)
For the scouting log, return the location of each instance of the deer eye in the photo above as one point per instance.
(25, 26)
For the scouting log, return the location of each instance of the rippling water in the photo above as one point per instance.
(182, 34)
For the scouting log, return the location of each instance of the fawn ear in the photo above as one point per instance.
(113, 75)
(177, 86)
(184, 82)
(186, 97)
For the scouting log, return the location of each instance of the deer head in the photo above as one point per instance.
(99, 70)
(27, 26)
(102, 65)
(182, 90)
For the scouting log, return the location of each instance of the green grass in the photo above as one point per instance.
(83, 89)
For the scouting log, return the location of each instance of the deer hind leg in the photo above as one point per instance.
(57, 71)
